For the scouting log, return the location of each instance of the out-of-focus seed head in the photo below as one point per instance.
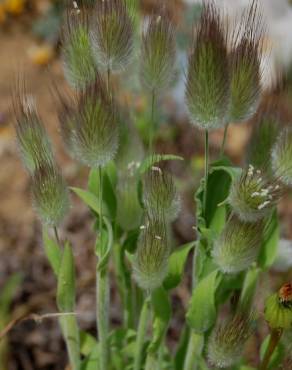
(227, 340)
(278, 308)
(151, 258)
(245, 60)
(112, 34)
(79, 64)
(160, 193)
(158, 53)
(50, 194)
(207, 85)
(253, 195)
(32, 138)
(282, 156)
(238, 245)
(89, 125)
(264, 135)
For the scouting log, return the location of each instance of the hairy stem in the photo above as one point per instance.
(224, 140)
(141, 334)
(195, 347)
(102, 289)
(151, 126)
(206, 171)
(70, 332)
(274, 340)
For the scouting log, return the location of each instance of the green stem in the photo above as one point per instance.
(224, 140)
(151, 126)
(141, 334)
(274, 340)
(102, 289)
(206, 171)
(70, 332)
(195, 347)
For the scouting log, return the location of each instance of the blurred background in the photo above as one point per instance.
(30, 46)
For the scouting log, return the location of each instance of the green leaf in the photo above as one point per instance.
(92, 360)
(53, 252)
(87, 343)
(103, 250)
(108, 192)
(162, 314)
(151, 160)
(176, 266)
(88, 198)
(8, 292)
(269, 248)
(66, 281)
(249, 288)
(182, 347)
(201, 313)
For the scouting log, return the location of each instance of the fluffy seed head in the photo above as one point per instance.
(207, 85)
(282, 156)
(112, 34)
(253, 196)
(263, 137)
(78, 61)
(150, 262)
(89, 125)
(158, 53)
(245, 59)
(50, 194)
(32, 139)
(278, 308)
(226, 342)
(160, 193)
(238, 245)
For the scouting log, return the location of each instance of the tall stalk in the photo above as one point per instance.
(196, 341)
(69, 328)
(274, 341)
(102, 296)
(141, 333)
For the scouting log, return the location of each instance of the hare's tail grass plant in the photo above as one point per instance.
(134, 200)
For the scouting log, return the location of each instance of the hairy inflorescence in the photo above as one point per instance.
(238, 245)
(89, 125)
(158, 52)
(207, 84)
(150, 260)
(111, 34)
(245, 65)
(78, 61)
(282, 156)
(253, 195)
(227, 340)
(50, 194)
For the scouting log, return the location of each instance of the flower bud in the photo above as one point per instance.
(238, 245)
(227, 340)
(253, 196)
(89, 125)
(207, 85)
(50, 194)
(151, 258)
(282, 157)
(32, 138)
(245, 59)
(78, 61)
(278, 308)
(160, 193)
(112, 34)
(158, 53)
